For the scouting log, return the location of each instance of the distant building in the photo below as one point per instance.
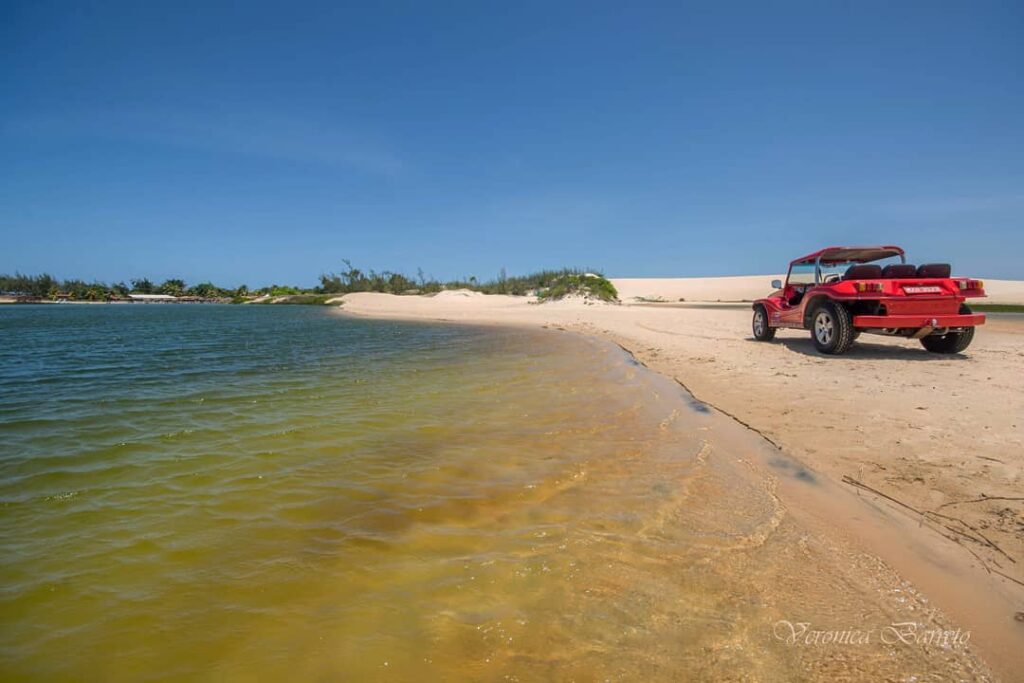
(152, 298)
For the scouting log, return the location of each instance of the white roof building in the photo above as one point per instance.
(152, 297)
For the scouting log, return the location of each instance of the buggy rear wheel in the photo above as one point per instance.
(951, 342)
(831, 328)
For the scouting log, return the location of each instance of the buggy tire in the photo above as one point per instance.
(759, 325)
(951, 342)
(831, 328)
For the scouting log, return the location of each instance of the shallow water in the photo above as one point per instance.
(217, 492)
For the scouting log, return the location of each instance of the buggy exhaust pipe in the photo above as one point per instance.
(926, 330)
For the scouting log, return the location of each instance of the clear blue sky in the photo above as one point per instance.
(260, 142)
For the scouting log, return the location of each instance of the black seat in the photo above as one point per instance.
(899, 270)
(934, 270)
(863, 271)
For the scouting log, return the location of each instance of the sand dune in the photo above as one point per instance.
(935, 432)
(750, 287)
(696, 289)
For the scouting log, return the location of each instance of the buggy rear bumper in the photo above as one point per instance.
(919, 320)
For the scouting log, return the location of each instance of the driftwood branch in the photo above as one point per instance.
(861, 485)
(937, 521)
(983, 499)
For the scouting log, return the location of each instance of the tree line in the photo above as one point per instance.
(46, 286)
(352, 279)
(349, 279)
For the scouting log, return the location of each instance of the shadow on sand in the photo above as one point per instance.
(910, 349)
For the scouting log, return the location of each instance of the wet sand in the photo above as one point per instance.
(933, 434)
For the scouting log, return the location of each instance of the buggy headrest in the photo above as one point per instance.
(934, 270)
(863, 271)
(899, 270)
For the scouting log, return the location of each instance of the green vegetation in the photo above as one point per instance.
(46, 286)
(997, 308)
(588, 285)
(353, 279)
(547, 284)
(280, 290)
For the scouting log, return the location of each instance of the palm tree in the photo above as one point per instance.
(173, 287)
(143, 286)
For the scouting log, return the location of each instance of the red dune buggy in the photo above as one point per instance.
(839, 292)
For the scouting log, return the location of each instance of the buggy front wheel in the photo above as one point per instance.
(762, 331)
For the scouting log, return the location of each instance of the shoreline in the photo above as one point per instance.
(978, 588)
(939, 570)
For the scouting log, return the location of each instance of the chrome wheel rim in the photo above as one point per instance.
(758, 323)
(824, 328)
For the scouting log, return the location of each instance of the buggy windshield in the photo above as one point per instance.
(809, 274)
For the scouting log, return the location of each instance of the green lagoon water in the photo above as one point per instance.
(284, 493)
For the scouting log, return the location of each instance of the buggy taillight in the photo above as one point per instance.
(971, 284)
(868, 286)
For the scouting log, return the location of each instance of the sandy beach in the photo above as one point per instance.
(929, 446)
